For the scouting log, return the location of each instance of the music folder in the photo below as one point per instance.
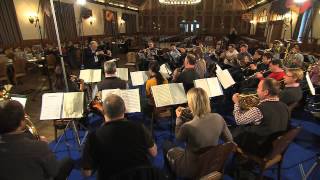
(311, 87)
(90, 75)
(138, 77)
(62, 105)
(169, 94)
(122, 73)
(131, 98)
(210, 85)
(225, 78)
(165, 70)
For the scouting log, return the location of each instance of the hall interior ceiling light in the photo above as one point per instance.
(179, 2)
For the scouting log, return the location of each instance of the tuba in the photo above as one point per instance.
(248, 101)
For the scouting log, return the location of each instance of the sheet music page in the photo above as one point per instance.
(164, 71)
(73, 105)
(96, 75)
(138, 78)
(178, 93)
(203, 83)
(106, 92)
(85, 75)
(51, 106)
(162, 95)
(311, 87)
(218, 68)
(214, 87)
(95, 91)
(131, 99)
(122, 73)
(225, 78)
(21, 100)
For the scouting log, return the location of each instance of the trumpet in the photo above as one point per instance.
(253, 75)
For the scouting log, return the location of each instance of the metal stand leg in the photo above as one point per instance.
(309, 172)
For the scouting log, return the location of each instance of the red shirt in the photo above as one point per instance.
(277, 75)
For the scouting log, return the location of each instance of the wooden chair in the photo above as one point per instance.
(212, 160)
(19, 66)
(51, 61)
(3, 70)
(131, 61)
(279, 145)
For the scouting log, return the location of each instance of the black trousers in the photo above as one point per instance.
(65, 168)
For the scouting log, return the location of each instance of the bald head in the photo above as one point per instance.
(114, 107)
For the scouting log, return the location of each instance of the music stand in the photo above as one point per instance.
(72, 121)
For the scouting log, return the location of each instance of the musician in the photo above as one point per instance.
(277, 72)
(257, 56)
(295, 58)
(200, 66)
(184, 162)
(230, 55)
(188, 74)
(148, 54)
(269, 117)
(243, 51)
(22, 157)
(155, 78)
(74, 84)
(92, 56)
(111, 81)
(292, 92)
(118, 145)
(175, 54)
(266, 59)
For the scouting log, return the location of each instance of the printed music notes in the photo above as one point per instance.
(90, 75)
(122, 73)
(131, 98)
(169, 94)
(62, 105)
(210, 85)
(225, 78)
(138, 78)
(165, 70)
(311, 87)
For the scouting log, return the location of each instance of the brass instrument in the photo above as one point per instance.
(30, 128)
(254, 75)
(247, 101)
(186, 114)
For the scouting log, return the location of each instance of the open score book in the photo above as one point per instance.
(169, 94)
(62, 105)
(210, 85)
(90, 75)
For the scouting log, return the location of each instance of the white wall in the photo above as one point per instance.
(25, 8)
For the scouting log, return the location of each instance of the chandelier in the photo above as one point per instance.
(179, 2)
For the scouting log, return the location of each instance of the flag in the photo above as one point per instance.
(299, 8)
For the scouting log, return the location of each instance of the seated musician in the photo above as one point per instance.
(155, 78)
(200, 65)
(118, 145)
(188, 74)
(74, 84)
(257, 56)
(244, 51)
(149, 54)
(266, 59)
(23, 157)
(92, 56)
(184, 162)
(269, 117)
(175, 54)
(111, 81)
(230, 56)
(277, 72)
(292, 92)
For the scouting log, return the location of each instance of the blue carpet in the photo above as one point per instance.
(302, 150)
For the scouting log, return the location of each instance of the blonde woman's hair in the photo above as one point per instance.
(198, 102)
(296, 73)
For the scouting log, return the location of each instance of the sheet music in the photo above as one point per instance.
(51, 106)
(21, 100)
(138, 78)
(203, 83)
(95, 91)
(311, 87)
(214, 86)
(122, 73)
(106, 92)
(131, 99)
(225, 78)
(72, 105)
(178, 93)
(165, 71)
(162, 95)
(90, 75)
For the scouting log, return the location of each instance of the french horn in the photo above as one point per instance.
(248, 101)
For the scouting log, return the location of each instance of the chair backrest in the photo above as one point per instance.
(131, 57)
(281, 143)
(141, 173)
(19, 65)
(213, 158)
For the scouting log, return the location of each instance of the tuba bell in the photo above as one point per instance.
(248, 101)
(30, 128)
